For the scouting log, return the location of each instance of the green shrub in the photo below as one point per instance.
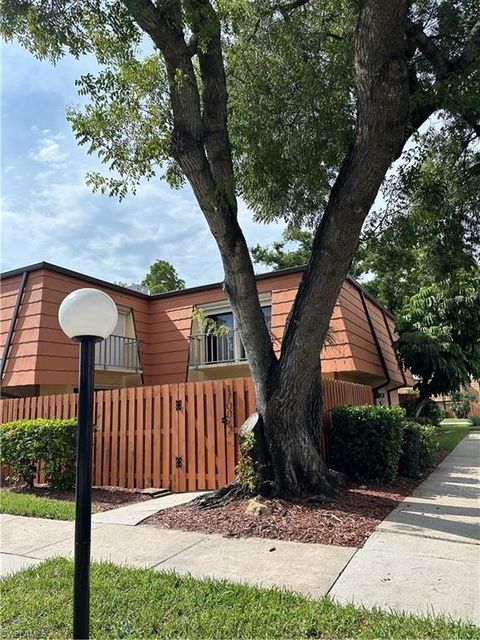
(366, 441)
(433, 413)
(418, 446)
(25, 442)
(475, 420)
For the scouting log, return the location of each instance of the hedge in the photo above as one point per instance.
(366, 442)
(418, 446)
(24, 442)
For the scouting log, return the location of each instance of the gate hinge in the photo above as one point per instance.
(178, 462)
(178, 405)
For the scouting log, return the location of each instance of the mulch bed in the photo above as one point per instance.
(348, 522)
(103, 498)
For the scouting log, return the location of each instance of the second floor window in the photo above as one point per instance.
(213, 349)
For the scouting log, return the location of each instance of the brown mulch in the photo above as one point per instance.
(348, 521)
(103, 498)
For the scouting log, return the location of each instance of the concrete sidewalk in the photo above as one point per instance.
(424, 558)
(137, 512)
(307, 568)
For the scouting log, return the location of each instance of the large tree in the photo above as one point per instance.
(324, 96)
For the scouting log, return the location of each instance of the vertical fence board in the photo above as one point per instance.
(148, 471)
(131, 444)
(122, 436)
(99, 438)
(191, 454)
(140, 438)
(107, 438)
(221, 454)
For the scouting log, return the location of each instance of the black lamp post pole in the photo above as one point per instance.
(83, 491)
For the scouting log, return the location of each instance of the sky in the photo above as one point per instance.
(48, 212)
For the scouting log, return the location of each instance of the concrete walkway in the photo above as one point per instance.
(425, 556)
(137, 512)
(307, 568)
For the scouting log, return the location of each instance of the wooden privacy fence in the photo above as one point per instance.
(182, 436)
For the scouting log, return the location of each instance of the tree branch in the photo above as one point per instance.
(441, 66)
(471, 51)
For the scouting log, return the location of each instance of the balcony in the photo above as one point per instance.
(118, 353)
(209, 349)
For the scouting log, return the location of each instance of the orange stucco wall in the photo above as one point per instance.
(42, 355)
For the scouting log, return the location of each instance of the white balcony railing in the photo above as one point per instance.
(207, 348)
(118, 352)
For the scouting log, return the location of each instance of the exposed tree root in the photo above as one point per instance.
(235, 491)
(220, 497)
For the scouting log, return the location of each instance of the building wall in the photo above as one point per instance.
(22, 361)
(42, 355)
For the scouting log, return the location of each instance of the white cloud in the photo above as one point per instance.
(49, 150)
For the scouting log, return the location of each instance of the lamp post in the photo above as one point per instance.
(87, 316)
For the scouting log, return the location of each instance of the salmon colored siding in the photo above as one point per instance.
(42, 355)
(22, 362)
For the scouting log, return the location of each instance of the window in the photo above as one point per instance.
(213, 349)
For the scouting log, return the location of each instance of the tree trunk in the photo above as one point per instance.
(291, 430)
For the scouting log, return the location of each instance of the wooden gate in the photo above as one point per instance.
(178, 436)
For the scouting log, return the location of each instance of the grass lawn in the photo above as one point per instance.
(452, 431)
(142, 603)
(24, 504)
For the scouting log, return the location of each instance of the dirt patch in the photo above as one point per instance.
(103, 498)
(356, 512)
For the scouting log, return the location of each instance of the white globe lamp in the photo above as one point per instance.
(88, 312)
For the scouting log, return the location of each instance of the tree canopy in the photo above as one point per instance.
(162, 277)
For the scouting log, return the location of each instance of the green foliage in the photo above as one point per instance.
(475, 420)
(208, 325)
(162, 277)
(433, 413)
(245, 470)
(25, 442)
(461, 401)
(439, 335)
(282, 254)
(418, 446)
(290, 85)
(24, 504)
(144, 603)
(429, 228)
(366, 441)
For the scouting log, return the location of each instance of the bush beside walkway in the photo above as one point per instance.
(143, 603)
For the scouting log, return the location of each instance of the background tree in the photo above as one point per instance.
(162, 277)
(323, 97)
(293, 250)
(439, 341)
